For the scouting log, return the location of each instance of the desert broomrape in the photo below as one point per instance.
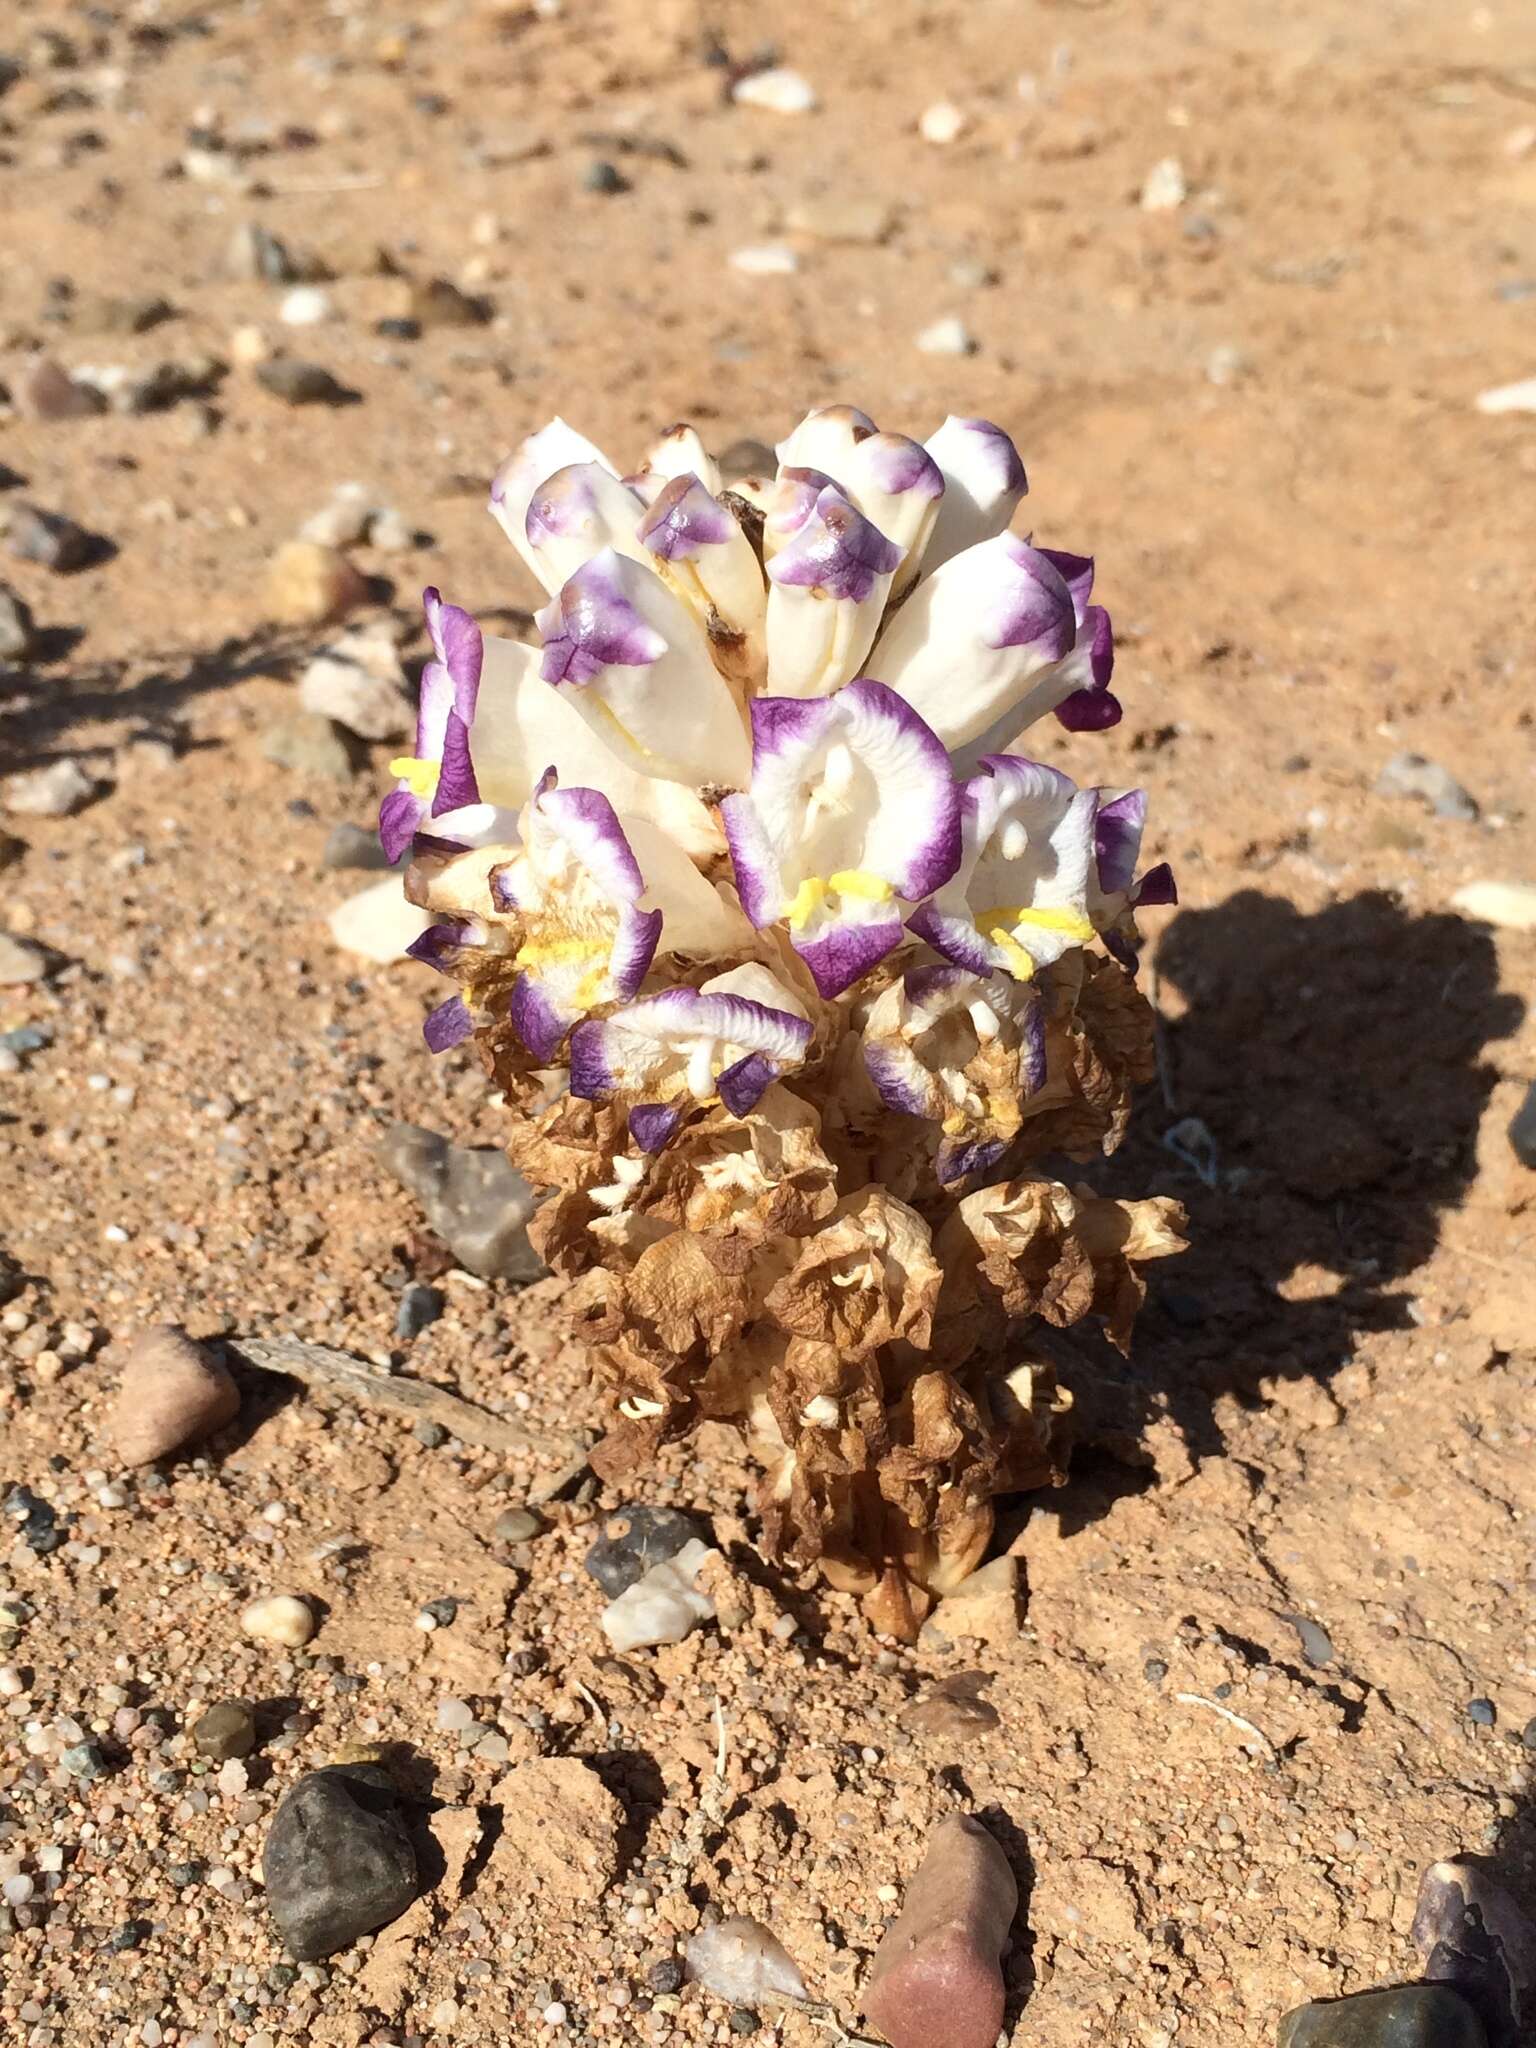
(796, 965)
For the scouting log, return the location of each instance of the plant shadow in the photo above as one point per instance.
(1327, 1073)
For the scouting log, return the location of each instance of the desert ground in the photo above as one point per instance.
(1234, 278)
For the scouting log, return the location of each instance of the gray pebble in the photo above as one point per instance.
(634, 1539)
(299, 383)
(1410, 774)
(353, 846)
(1316, 1644)
(517, 1525)
(34, 535)
(310, 745)
(1412, 2016)
(338, 1861)
(474, 1199)
(226, 1730)
(419, 1307)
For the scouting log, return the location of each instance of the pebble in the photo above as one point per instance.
(439, 302)
(48, 538)
(636, 1538)
(984, 1606)
(765, 259)
(353, 846)
(57, 791)
(950, 1716)
(358, 682)
(114, 313)
(18, 630)
(1510, 905)
(473, 1198)
(307, 305)
(280, 1618)
(310, 746)
(20, 962)
(936, 1980)
(84, 1760)
(1410, 774)
(308, 584)
(778, 89)
(1522, 1130)
(1164, 188)
(420, 1307)
(225, 1731)
(172, 1393)
(300, 383)
(338, 1861)
(1519, 397)
(947, 337)
(1411, 2016)
(1473, 1936)
(391, 534)
(377, 923)
(838, 219)
(741, 1960)
(1482, 1712)
(257, 255)
(941, 123)
(46, 391)
(664, 1605)
(517, 1525)
(1316, 1643)
(603, 176)
(342, 522)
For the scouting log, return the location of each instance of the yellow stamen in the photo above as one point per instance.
(860, 882)
(955, 1123)
(813, 892)
(1020, 964)
(559, 952)
(1071, 922)
(419, 777)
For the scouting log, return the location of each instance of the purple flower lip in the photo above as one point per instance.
(591, 626)
(1117, 830)
(448, 1025)
(1031, 606)
(899, 464)
(836, 550)
(1000, 452)
(684, 520)
(1076, 571)
(1157, 886)
(653, 1125)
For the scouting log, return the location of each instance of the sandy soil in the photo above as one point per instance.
(1256, 409)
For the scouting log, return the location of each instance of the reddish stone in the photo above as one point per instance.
(936, 1980)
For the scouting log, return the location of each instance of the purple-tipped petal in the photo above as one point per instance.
(591, 625)
(456, 784)
(920, 844)
(954, 936)
(592, 1077)
(897, 465)
(448, 1025)
(399, 815)
(684, 520)
(756, 866)
(960, 1159)
(634, 948)
(836, 551)
(1117, 830)
(1029, 604)
(441, 946)
(653, 1125)
(1157, 886)
(898, 1080)
(535, 1020)
(1076, 571)
(1090, 711)
(741, 1086)
(589, 825)
(843, 951)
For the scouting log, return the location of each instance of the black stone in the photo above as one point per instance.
(298, 383)
(338, 1861)
(602, 176)
(444, 1611)
(396, 327)
(131, 1934)
(744, 2021)
(635, 1538)
(430, 1435)
(1483, 1712)
(1411, 2016)
(1522, 1130)
(665, 1976)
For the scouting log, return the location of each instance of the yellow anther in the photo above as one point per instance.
(1045, 918)
(419, 777)
(808, 898)
(1020, 965)
(814, 891)
(559, 952)
(860, 882)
